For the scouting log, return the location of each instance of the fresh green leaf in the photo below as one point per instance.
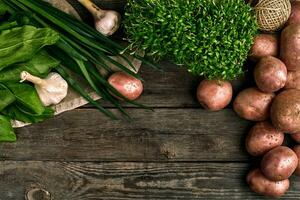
(27, 97)
(40, 65)
(6, 97)
(22, 43)
(6, 130)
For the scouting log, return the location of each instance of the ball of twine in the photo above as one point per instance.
(272, 14)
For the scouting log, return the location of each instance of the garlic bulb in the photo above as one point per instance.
(107, 22)
(51, 90)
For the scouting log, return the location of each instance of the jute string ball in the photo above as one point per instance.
(272, 14)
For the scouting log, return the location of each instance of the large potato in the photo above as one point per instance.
(290, 46)
(297, 151)
(261, 185)
(252, 104)
(270, 74)
(214, 94)
(264, 45)
(295, 14)
(285, 111)
(279, 163)
(262, 138)
(293, 80)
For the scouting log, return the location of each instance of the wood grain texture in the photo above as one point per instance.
(162, 135)
(124, 181)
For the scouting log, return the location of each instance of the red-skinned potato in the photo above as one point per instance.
(270, 74)
(296, 137)
(295, 14)
(293, 80)
(290, 47)
(262, 138)
(214, 95)
(285, 111)
(279, 163)
(264, 45)
(253, 104)
(261, 185)
(127, 85)
(297, 151)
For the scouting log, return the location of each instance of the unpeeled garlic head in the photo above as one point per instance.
(51, 90)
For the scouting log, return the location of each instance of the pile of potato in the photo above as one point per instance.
(274, 104)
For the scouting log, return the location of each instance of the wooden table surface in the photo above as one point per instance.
(178, 151)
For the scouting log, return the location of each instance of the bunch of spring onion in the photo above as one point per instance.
(80, 49)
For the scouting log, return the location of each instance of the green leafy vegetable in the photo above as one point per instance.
(22, 43)
(17, 113)
(27, 97)
(6, 130)
(40, 65)
(6, 97)
(211, 37)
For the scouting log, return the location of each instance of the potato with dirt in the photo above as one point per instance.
(279, 163)
(270, 74)
(285, 111)
(253, 104)
(214, 95)
(297, 151)
(295, 14)
(261, 185)
(290, 47)
(293, 80)
(262, 138)
(264, 45)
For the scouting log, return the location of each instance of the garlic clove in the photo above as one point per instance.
(51, 90)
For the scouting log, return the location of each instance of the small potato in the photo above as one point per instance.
(295, 14)
(297, 151)
(270, 74)
(261, 185)
(214, 94)
(252, 104)
(290, 47)
(285, 111)
(262, 138)
(296, 137)
(127, 85)
(264, 45)
(293, 80)
(279, 163)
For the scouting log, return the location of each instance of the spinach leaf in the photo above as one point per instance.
(6, 130)
(27, 98)
(16, 112)
(6, 97)
(20, 44)
(40, 65)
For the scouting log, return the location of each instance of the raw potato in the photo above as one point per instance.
(261, 185)
(296, 137)
(293, 80)
(270, 74)
(252, 104)
(127, 85)
(214, 94)
(262, 138)
(295, 14)
(264, 45)
(285, 111)
(290, 46)
(279, 163)
(297, 151)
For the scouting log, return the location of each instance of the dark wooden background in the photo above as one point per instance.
(179, 151)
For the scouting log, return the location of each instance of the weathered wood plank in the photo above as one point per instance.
(87, 181)
(162, 135)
